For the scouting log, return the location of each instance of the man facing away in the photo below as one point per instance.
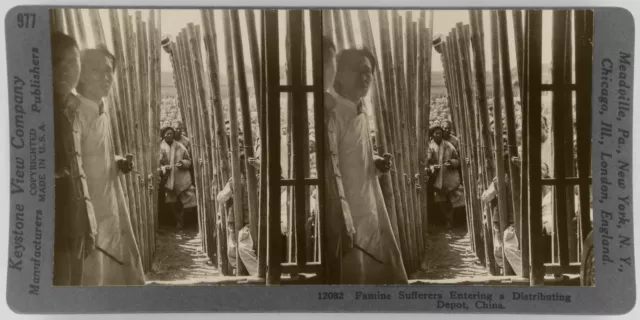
(369, 253)
(116, 258)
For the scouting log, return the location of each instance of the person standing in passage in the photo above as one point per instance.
(241, 240)
(448, 136)
(369, 251)
(75, 226)
(443, 163)
(175, 162)
(116, 260)
(179, 135)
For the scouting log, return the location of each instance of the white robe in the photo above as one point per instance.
(376, 257)
(117, 260)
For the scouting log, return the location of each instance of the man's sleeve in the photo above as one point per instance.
(490, 193)
(226, 193)
(84, 220)
(186, 159)
(455, 158)
(117, 159)
(333, 134)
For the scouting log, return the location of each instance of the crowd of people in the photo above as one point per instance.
(95, 244)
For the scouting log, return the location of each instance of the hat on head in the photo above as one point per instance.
(164, 130)
(436, 125)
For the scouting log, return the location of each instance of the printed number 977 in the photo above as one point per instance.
(26, 20)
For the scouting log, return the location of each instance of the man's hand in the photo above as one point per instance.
(447, 164)
(383, 164)
(254, 162)
(516, 161)
(125, 165)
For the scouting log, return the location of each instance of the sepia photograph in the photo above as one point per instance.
(308, 147)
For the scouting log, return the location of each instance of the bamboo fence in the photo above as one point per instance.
(133, 103)
(399, 108)
(488, 137)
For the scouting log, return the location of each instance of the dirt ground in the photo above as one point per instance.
(180, 259)
(448, 255)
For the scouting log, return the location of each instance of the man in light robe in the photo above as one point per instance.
(116, 258)
(368, 252)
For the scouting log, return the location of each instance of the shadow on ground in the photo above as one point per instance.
(180, 258)
(448, 255)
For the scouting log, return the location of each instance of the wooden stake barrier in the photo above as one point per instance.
(381, 115)
(533, 73)
(252, 183)
(222, 162)
(498, 136)
(127, 114)
(514, 171)
(388, 82)
(405, 128)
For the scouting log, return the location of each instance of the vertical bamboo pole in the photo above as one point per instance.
(57, 20)
(558, 121)
(498, 134)
(68, 17)
(405, 128)
(457, 110)
(123, 87)
(254, 50)
(315, 26)
(140, 112)
(264, 188)
(187, 58)
(132, 121)
(337, 17)
(154, 119)
(468, 114)
(386, 65)
(220, 132)
(422, 105)
(411, 106)
(524, 166)
(296, 31)
(486, 141)
(82, 33)
(238, 201)
(583, 53)
(534, 74)
(469, 192)
(252, 184)
(514, 172)
(272, 57)
(351, 39)
(206, 145)
(381, 114)
(519, 43)
(568, 145)
(327, 25)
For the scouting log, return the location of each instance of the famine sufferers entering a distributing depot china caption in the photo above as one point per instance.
(322, 147)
